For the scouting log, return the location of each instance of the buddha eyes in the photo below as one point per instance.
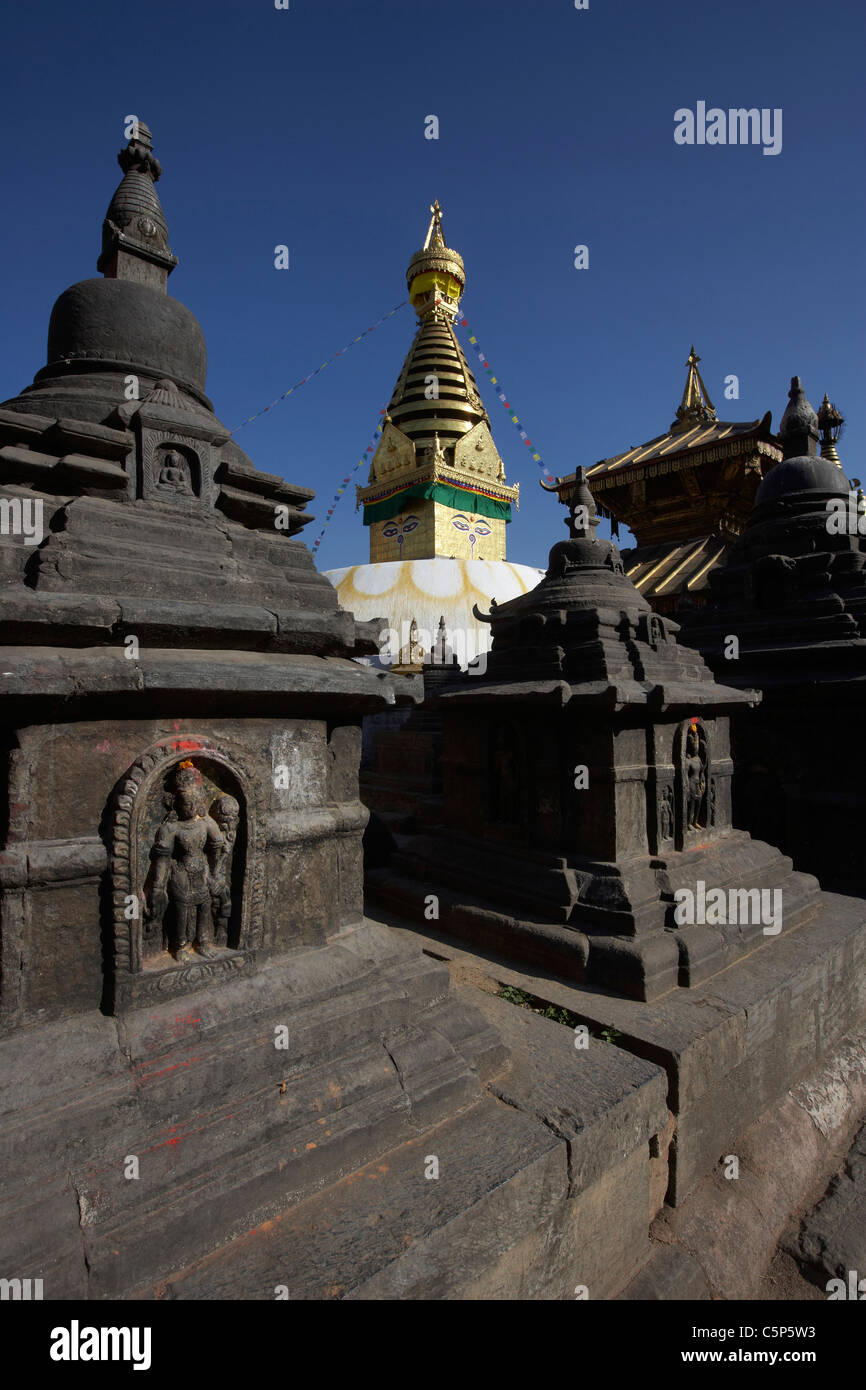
(463, 524)
(398, 528)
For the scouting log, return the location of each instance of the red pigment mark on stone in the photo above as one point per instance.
(154, 1075)
(104, 746)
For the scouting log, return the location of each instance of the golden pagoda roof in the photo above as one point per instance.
(695, 433)
(673, 446)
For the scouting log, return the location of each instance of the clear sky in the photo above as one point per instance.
(306, 127)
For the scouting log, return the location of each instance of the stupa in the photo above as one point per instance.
(436, 502)
(787, 615)
(587, 785)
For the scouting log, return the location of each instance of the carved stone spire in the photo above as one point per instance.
(798, 427)
(695, 406)
(134, 233)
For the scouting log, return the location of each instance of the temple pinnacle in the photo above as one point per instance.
(696, 405)
(134, 233)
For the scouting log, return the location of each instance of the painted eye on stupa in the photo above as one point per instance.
(410, 525)
(461, 523)
(481, 529)
(390, 531)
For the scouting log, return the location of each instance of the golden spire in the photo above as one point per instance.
(435, 237)
(437, 484)
(436, 276)
(830, 423)
(696, 405)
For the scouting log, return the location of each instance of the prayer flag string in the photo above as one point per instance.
(494, 381)
(364, 459)
(325, 364)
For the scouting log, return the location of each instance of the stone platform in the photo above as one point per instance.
(305, 1167)
(729, 1047)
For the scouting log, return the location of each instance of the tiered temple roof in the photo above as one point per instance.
(685, 495)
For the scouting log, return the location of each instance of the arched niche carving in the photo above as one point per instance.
(186, 871)
(694, 784)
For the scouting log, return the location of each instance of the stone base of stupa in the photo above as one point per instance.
(409, 1140)
(610, 925)
(731, 1046)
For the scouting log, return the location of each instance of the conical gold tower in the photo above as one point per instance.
(437, 484)
(695, 407)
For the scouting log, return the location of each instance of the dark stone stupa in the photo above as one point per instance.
(787, 616)
(587, 779)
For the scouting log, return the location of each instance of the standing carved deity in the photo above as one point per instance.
(189, 854)
(226, 812)
(696, 778)
(666, 814)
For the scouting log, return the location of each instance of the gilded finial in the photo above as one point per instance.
(830, 424)
(696, 405)
(435, 236)
(436, 276)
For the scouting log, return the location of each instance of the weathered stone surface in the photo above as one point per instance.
(671, 1273)
(541, 1188)
(832, 1238)
(731, 1047)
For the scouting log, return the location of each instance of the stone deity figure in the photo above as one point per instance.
(666, 814)
(226, 812)
(173, 473)
(188, 851)
(696, 779)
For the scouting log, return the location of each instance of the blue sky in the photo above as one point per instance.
(305, 127)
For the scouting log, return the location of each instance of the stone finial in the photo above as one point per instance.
(798, 428)
(134, 233)
(139, 155)
(582, 518)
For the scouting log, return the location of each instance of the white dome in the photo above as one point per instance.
(399, 591)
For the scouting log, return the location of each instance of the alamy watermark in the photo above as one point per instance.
(22, 516)
(846, 516)
(718, 907)
(736, 126)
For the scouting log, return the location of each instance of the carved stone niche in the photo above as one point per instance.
(176, 469)
(652, 630)
(694, 786)
(186, 875)
(665, 816)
